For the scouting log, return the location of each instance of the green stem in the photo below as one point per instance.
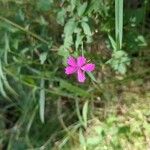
(24, 30)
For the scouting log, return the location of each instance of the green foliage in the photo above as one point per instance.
(40, 106)
(42, 100)
(44, 5)
(119, 61)
(119, 22)
(85, 114)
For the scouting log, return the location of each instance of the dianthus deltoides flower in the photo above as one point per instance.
(78, 66)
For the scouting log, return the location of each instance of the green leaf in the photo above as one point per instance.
(86, 29)
(61, 16)
(119, 22)
(6, 83)
(85, 19)
(85, 113)
(64, 53)
(8, 87)
(119, 54)
(81, 9)
(92, 141)
(78, 112)
(43, 57)
(98, 130)
(42, 100)
(44, 5)
(82, 139)
(74, 3)
(70, 27)
(119, 61)
(15, 43)
(113, 43)
(89, 39)
(68, 41)
(91, 76)
(78, 41)
(7, 47)
(122, 68)
(73, 89)
(2, 91)
(41, 20)
(141, 41)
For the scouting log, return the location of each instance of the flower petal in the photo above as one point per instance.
(71, 61)
(70, 70)
(88, 67)
(81, 76)
(81, 61)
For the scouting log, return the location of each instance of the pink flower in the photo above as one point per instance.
(79, 66)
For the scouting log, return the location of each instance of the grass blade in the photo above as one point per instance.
(42, 100)
(85, 113)
(119, 22)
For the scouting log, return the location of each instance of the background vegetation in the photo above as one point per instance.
(41, 108)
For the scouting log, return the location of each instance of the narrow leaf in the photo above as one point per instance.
(69, 27)
(85, 113)
(119, 22)
(61, 16)
(86, 28)
(2, 91)
(73, 89)
(91, 76)
(82, 139)
(43, 57)
(81, 9)
(42, 100)
(113, 43)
